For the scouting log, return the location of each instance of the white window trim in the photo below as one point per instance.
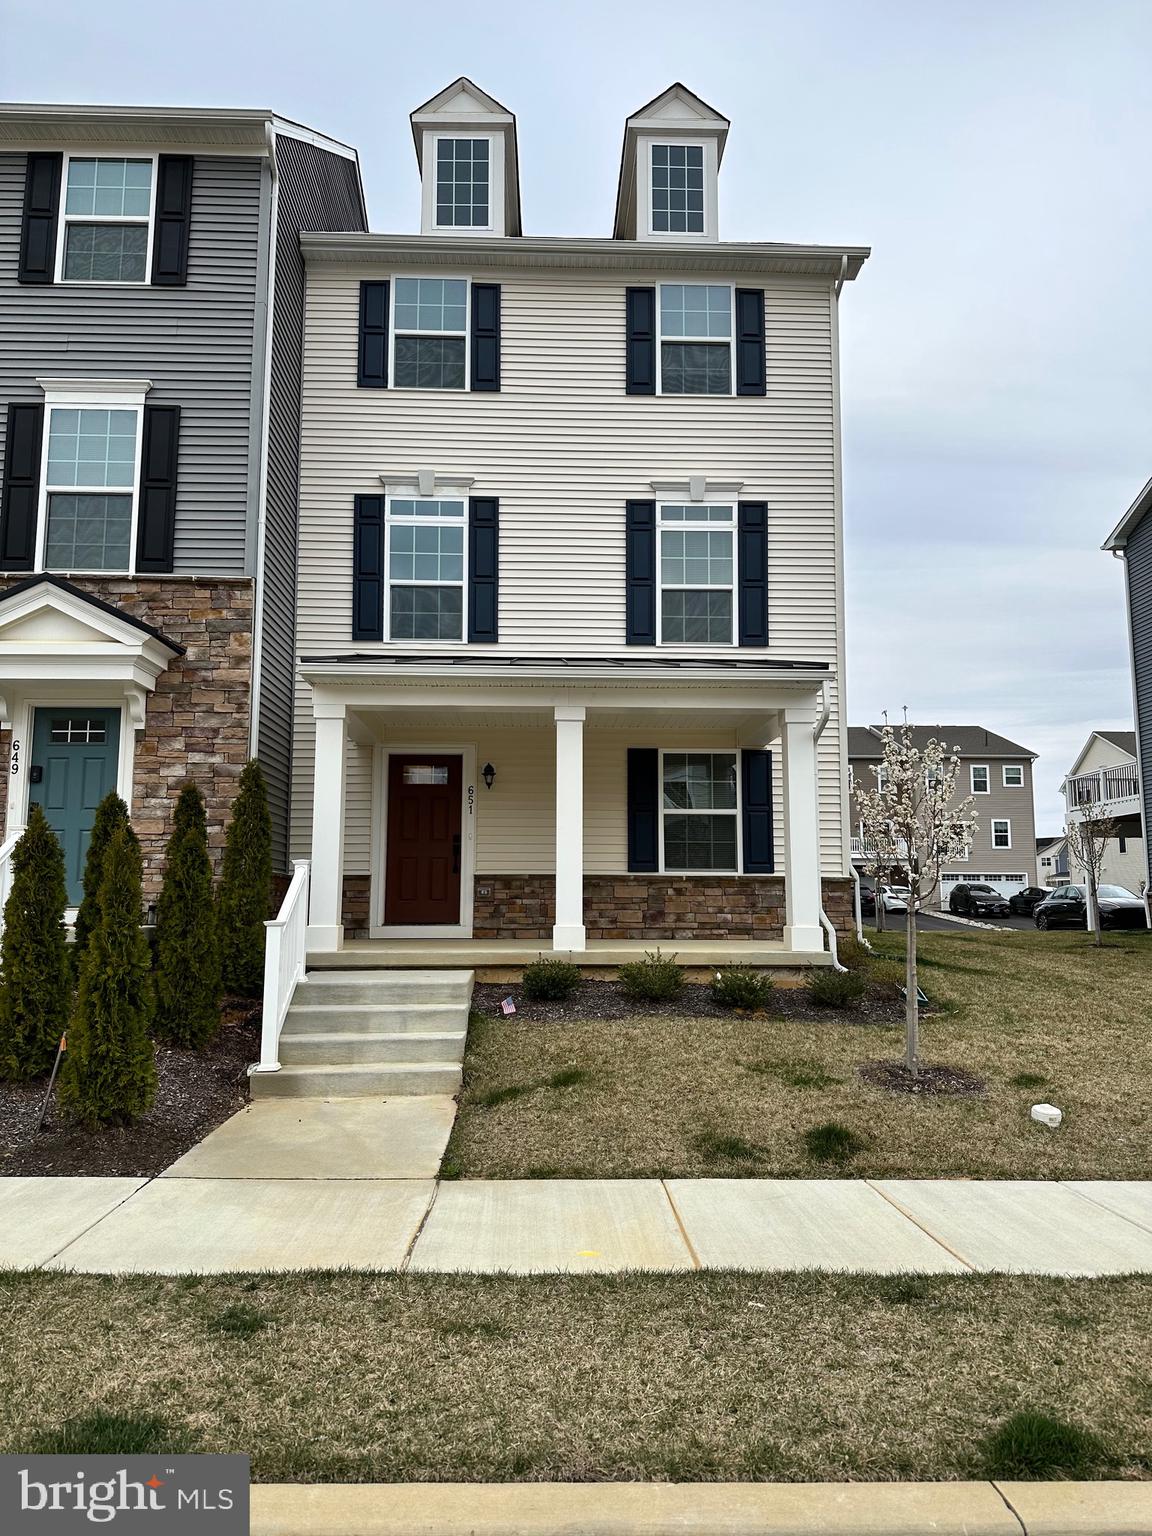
(64, 219)
(419, 389)
(987, 790)
(1014, 768)
(495, 224)
(713, 341)
(1000, 821)
(696, 587)
(390, 520)
(738, 812)
(644, 148)
(86, 395)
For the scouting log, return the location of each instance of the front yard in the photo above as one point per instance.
(1035, 1016)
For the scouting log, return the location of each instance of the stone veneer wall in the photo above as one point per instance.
(628, 906)
(197, 720)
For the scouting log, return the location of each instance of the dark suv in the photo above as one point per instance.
(977, 901)
(1025, 902)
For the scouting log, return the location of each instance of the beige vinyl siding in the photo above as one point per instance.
(563, 448)
(1104, 754)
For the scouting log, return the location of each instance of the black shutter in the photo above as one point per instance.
(752, 561)
(640, 572)
(486, 336)
(156, 527)
(756, 812)
(173, 219)
(640, 321)
(483, 569)
(368, 567)
(750, 368)
(41, 210)
(21, 494)
(643, 810)
(372, 352)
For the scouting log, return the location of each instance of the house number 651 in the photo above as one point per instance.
(14, 766)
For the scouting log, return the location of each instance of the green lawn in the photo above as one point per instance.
(703, 1376)
(1037, 1016)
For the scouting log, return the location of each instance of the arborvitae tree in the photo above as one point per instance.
(111, 813)
(109, 1071)
(245, 886)
(35, 976)
(187, 946)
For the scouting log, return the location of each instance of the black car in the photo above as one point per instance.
(977, 901)
(1067, 907)
(867, 901)
(1025, 902)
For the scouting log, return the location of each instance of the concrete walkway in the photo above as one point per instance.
(206, 1216)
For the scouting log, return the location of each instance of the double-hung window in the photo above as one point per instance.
(695, 327)
(700, 811)
(1013, 776)
(106, 222)
(980, 784)
(677, 189)
(1001, 834)
(88, 516)
(430, 333)
(426, 557)
(463, 186)
(696, 570)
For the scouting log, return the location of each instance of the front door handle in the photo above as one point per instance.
(456, 854)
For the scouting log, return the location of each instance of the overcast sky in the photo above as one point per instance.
(997, 365)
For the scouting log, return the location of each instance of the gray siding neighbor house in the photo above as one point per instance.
(1131, 541)
(152, 301)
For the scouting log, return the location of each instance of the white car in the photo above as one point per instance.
(895, 897)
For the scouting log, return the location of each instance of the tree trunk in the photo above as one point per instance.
(879, 910)
(912, 994)
(1094, 912)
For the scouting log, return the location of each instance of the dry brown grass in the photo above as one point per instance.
(734, 1096)
(704, 1376)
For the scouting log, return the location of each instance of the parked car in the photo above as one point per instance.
(895, 897)
(1025, 902)
(1067, 907)
(977, 901)
(867, 901)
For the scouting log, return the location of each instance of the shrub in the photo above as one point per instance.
(35, 974)
(835, 989)
(110, 814)
(853, 954)
(887, 977)
(742, 987)
(832, 1143)
(654, 979)
(187, 948)
(551, 980)
(1032, 1445)
(109, 1071)
(245, 886)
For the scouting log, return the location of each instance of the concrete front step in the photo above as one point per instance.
(367, 1045)
(388, 1018)
(357, 1080)
(385, 987)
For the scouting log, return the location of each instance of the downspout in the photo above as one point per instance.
(1121, 554)
(825, 920)
(843, 278)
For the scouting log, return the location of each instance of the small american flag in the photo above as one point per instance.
(507, 1006)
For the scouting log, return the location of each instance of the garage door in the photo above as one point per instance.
(1007, 885)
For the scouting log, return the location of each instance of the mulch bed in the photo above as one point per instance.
(937, 1079)
(195, 1092)
(608, 1000)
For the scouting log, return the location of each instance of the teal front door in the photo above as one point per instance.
(74, 757)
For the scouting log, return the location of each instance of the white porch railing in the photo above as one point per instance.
(6, 849)
(1107, 792)
(285, 953)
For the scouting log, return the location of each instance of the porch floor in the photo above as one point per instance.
(475, 954)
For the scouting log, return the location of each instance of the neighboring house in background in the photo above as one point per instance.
(997, 773)
(1104, 783)
(1131, 541)
(152, 293)
(1051, 860)
(570, 611)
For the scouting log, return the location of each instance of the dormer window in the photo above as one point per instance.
(463, 183)
(669, 170)
(678, 189)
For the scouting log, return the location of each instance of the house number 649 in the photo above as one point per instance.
(14, 765)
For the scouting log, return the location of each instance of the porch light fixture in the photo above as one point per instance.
(488, 774)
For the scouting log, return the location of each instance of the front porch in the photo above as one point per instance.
(599, 956)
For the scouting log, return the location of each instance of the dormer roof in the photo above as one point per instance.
(679, 113)
(464, 108)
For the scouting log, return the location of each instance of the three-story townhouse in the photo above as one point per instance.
(570, 603)
(151, 299)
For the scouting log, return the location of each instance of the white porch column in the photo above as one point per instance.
(568, 931)
(326, 886)
(802, 930)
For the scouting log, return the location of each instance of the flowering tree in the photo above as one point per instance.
(912, 823)
(1088, 845)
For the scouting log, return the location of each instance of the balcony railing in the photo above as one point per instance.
(1106, 792)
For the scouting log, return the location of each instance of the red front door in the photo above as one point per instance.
(422, 879)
